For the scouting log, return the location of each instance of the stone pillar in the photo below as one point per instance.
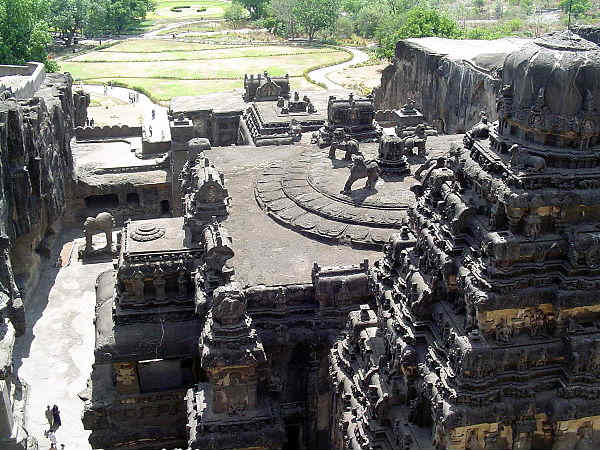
(6, 417)
(182, 130)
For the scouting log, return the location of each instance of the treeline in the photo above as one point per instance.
(385, 21)
(29, 27)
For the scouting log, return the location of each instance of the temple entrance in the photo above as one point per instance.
(292, 433)
(102, 201)
(165, 207)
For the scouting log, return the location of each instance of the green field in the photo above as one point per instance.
(163, 13)
(167, 69)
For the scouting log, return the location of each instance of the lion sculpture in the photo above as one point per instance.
(362, 169)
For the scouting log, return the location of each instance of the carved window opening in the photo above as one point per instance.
(102, 201)
(165, 207)
(293, 437)
(160, 374)
(149, 289)
(133, 199)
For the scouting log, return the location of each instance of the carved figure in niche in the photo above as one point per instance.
(503, 331)
(585, 437)
(472, 442)
(340, 142)
(295, 130)
(480, 130)
(538, 322)
(573, 252)
(229, 305)
(104, 222)
(409, 106)
(522, 363)
(576, 363)
(595, 357)
(138, 285)
(182, 284)
(521, 159)
(362, 169)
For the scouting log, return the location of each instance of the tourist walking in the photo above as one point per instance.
(55, 418)
(49, 418)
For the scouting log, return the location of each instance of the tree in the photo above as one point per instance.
(116, 16)
(256, 8)
(24, 34)
(235, 14)
(479, 5)
(578, 7)
(418, 22)
(316, 15)
(68, 17)
(369, 18)
(283, 11)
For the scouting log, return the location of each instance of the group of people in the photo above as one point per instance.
(53, 418)
(134, 97)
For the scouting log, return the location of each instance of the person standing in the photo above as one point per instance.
(49, 418)
(56, 418)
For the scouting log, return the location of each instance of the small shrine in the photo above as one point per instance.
(263, 87)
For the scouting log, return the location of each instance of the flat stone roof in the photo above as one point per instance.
(480, 52)
(173, 239)
(114, 161)
(218, 102)
(233, 101)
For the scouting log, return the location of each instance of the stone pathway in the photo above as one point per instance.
(320, 75)
(55, 355)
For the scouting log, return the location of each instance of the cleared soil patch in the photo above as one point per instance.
(362, 79)
(112, 111)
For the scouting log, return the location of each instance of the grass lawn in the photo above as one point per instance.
(169, 69)
(214, 52)
(165, 90)
(232, 68)
(191, 11)
(156, 45)
(194, 27)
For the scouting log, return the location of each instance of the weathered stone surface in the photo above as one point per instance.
(451, 81)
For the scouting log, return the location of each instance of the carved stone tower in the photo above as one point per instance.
(234, 363)
(499, 293)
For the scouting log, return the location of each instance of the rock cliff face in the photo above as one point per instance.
(36, 169)
(36, 172)
(451, 81)
(589, 32)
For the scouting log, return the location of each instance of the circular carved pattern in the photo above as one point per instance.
(147, 232)
(305, 195)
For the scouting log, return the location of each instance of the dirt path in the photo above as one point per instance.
(320, 75)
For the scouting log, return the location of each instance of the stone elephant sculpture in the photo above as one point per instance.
(104, 222)
(349, 146)
(520, 158)
(362, 169)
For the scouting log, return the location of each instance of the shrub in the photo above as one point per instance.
(236, 14)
